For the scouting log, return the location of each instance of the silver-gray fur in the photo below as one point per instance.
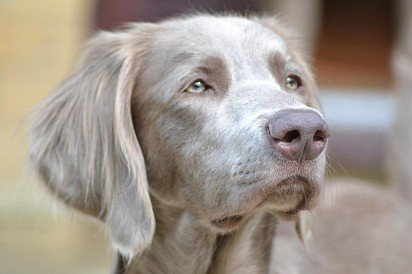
(122, 118)
(184, 182)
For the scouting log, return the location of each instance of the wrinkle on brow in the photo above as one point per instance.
(277, 66)
(216, 69)
(182, 57)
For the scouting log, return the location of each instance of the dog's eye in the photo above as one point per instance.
(197, 87)
(292, 82)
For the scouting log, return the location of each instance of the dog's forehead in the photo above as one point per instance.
(232, 36)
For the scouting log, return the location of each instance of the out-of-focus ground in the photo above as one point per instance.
(39, 43)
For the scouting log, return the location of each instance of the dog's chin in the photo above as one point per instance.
(291, 196)
(285, 199)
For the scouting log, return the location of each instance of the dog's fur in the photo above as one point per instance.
(357, 228)
(122, 141)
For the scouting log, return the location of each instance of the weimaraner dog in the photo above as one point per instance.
(190, 139)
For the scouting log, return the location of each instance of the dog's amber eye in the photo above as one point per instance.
(293, 82)
(197, 87)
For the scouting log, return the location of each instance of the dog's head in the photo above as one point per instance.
(219, 114)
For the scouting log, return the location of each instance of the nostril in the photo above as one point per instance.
(319, 136)
(290, 136)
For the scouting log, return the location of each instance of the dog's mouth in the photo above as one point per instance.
(286, 199)
(228, 222)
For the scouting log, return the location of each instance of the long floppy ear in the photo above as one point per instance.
(83, 142)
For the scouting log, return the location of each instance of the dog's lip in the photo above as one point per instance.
(228, 222)
(267, 194)
(288, 215)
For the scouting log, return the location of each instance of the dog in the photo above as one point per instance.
(189, 139)
(186, 138)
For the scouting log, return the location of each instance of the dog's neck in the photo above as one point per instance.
(182, 245)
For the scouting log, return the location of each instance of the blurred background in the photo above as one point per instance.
(353, 46)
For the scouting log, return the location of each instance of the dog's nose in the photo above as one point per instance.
(298, 134)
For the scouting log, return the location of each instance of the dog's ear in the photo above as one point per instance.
(83, 141)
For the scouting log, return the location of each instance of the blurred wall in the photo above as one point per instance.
(39, 43)
(355, 44)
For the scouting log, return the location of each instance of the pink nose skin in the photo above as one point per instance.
(298, 134)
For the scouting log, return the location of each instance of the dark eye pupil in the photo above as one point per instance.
(291, 81)
(197, 85)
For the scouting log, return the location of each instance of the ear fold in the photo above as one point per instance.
(83, 142)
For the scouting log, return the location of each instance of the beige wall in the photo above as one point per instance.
(39, 42)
